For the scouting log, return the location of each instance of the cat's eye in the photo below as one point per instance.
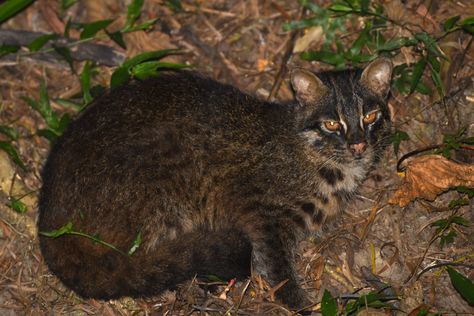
(370, 117)
(332, 126)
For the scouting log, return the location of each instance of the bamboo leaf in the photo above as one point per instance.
(328, 304)
(460, 221)
(436, 77)
(466, 190)
(69, 104)
(324, 56)
(40, 41)
(175, 5)
(135, 245)
(450, 23)
(8, 49)
(17, 205)
(119, 77)
(133, 13)
(467, 21)
(396, 138)
(141, 27)
(148, 56)
(85, 79)
(122, 74)
(11, 151)
(463, 285)
(65, 52)
(63, 230)
(300, 24)
(48, 134)
(117, 38)
(418, 70)
(91, 29)
(66, 4)
(341, 8)
(150, 68)
(397, 44)
(10, 8)
(430, 44)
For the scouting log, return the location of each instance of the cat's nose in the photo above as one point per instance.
(358, 149)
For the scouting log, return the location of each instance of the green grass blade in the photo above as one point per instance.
(8, 131)
(11, 7)
(11, 151)
(85, 79)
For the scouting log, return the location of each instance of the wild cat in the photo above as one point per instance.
(212, 179)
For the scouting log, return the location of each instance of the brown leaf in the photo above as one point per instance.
(312, 35)
(429, 176)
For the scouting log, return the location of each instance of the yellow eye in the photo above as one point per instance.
(332, 125)
(370, 118)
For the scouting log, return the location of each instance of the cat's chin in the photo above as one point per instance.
(363, 160)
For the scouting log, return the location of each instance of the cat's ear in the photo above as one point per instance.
(377, 75)
(308, 87)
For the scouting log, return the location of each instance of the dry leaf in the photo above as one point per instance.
(262, 64)
(312, 35)
(429, 176)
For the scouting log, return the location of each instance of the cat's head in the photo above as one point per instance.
(343, 115)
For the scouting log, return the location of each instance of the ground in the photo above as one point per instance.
(243, 43)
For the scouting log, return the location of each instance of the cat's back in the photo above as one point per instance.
(184, 100)
(172, 129)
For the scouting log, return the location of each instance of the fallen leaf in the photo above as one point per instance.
(428, 176)
(262, 64)
(312, 35)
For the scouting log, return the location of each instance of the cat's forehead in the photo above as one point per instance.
(346, 94)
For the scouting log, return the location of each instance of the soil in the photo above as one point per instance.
(374, 246)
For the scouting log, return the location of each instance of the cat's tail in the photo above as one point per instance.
(225, 254)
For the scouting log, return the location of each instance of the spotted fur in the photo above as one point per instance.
(212, 179)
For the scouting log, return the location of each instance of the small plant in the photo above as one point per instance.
(68, 229)
(373, 299)
(143, 66)
(454, 141)
(463, 285)
(372, 41)
(55, 123)
(445, 228)
(10, 8)
(396, 138)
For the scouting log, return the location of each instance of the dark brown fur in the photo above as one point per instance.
(212, 179)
